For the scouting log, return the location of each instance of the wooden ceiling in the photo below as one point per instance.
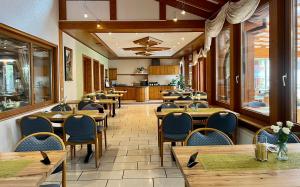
(84, 30)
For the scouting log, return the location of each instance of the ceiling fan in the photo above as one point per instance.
(147, 46)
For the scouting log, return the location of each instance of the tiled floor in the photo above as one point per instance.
(132, 158)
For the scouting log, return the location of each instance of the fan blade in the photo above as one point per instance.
(157, 48)
(135, 49)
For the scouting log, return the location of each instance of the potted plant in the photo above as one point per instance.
(140, 69)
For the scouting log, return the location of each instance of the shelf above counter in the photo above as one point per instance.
(134, 74)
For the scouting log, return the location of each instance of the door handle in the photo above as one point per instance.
(237, 79)
(284, 77)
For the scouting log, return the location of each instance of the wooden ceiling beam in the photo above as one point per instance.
(113, 9)
(62, 10)
(134, 26)
(162, 10)
(203, 5)
(188, 8)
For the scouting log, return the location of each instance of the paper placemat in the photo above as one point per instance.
(10, 168)
(246, 161)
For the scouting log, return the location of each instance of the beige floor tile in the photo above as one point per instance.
(155, 165)
(169, 182)
(128, 147)
(81, 167)
(132, 158)
(130, 183)
(174, 172)
(115, 152)
(142, 152)
(118, 166)
(153, 173)
(92, 183)
(94, 175)
(156, 158)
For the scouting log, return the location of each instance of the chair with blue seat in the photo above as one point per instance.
(81, 129)
(101, 96)
(33, 124)
(83, 103)
(175, 127)
(100, 128)
(207, 136)
(199, 121)
(60, 107)
(51, 143)
(272, 138)
(224, 121)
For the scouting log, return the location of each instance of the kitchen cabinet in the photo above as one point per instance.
(113, 74)
(164, 70)
(155, 91)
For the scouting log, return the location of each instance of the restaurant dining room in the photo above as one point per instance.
(151, 93)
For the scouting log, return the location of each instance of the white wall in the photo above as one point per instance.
(74, 89)
(126, 10)
(38, 18)
(128, 66)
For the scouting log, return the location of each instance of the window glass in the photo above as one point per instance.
(42, 73)
(255, 72)
(14, 73)
(223, 66)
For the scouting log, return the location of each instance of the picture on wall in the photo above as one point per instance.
(68, 64)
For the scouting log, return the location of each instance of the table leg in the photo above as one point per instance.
(110, 114)
(158, 134)
(105, 122)
(119, 102)
(114, 110)
(89, 153)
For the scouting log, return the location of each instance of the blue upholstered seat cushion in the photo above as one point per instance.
(34, 144)
(212, 138)
(273, 138)
(100, 128)
(81, 139)
(175, 137)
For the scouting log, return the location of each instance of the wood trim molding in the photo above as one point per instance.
(62, 9)
(134, 26)
(61, 65)
(113, 9)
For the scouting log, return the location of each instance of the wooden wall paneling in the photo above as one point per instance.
(113, 9)
(62, 9)
(113, 74)
(202, 75)
(277, 56)
(195, 77)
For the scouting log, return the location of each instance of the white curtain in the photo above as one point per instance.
(234, 13)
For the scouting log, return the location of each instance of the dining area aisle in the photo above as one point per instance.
(132, 156)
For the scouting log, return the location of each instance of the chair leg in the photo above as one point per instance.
(96, 153)
(64, 175)
(71, 151)
(100, 143)
(161, 152)
(74, 151)
(105, 140)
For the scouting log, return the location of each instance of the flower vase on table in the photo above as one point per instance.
(283, 136)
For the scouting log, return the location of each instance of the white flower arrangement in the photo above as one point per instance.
(282, 131)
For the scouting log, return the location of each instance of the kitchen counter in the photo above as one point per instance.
(138, 93)
(129, 86)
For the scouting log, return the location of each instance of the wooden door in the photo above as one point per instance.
(87, 75)
(96, 68)
(112, 74)
(102, 80)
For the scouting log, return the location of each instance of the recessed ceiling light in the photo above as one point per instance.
(98, 25)
(136, 33)
(182, 12)
(109, 33)
(182, 38)
(85, 16)
(178, 43)
(4, 47)
(175, 19)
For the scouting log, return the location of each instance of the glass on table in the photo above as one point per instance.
(261, 148)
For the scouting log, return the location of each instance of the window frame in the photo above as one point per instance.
(24, 37)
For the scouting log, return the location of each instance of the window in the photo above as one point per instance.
(297, 51)
(255, 72)
(42, 73)
(223, 66)
(25, 72)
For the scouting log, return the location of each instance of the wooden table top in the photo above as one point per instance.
(60, 116)
(183, 93)
(200, 112)
(36, 172)
(120, 91)
(187, 102)
(114, 95)
(198, 176)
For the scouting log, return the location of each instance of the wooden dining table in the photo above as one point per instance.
(34, 172)
(61, 116)
(248, 172)
(115, 96)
